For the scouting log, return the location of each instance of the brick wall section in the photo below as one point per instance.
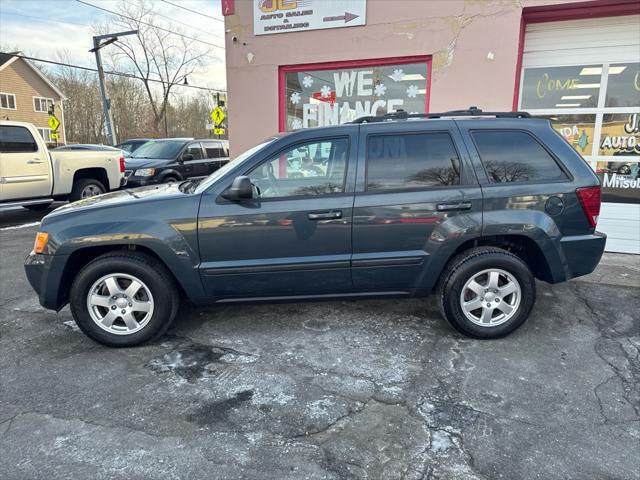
(18, 78)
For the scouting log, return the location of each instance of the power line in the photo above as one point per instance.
(187, 25)
(120, 74)
(193, 11)
(45, 19)
(149, 24)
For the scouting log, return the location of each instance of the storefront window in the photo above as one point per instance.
(319, 97)
(609, 135)
(620, 134)
(577, 129)
(623, 89)
(561, 87)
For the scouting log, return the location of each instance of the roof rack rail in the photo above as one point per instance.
(470, 112)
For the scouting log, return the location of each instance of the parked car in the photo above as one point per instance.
(472, 205)
(33, 177)
(131, 145)
(85, 146)
(175, 159)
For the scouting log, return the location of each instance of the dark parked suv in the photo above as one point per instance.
(473, 205)
(174, 159)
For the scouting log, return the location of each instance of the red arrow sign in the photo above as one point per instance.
(347, 17)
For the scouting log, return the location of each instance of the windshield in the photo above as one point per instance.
(161, 149)
(210, 180)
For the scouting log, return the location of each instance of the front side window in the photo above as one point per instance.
(195, 150)
(411, 161)
(16, 140)
(513, 156)
(307, 169)
(8, 101)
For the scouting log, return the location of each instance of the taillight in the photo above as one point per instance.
(590, 201)
(121, 164)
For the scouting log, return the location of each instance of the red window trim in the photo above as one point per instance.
(284, 69)
(567, 11)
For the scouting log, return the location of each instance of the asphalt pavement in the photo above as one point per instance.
(363, 389)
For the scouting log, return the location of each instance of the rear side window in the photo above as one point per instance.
(213, 149)
(513, 156)
(411, 161)
(16, 140)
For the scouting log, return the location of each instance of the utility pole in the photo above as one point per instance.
(106, 103)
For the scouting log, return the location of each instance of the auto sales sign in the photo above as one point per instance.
(281, 16)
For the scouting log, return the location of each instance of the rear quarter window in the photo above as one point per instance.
(515, 156)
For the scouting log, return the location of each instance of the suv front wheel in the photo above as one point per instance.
(486, 292)
(122, 299)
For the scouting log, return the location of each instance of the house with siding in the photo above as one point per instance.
(27, 95)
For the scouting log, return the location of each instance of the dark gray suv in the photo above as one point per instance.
(473, 205)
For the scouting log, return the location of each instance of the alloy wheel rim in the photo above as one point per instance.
(490, 297)
(90, 190)
(120, 303)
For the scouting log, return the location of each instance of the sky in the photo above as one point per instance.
(44, 28)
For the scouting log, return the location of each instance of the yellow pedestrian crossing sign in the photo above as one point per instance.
(217, 115)
(54, 123)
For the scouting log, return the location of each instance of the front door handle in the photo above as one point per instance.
(332, 215)
(34, 160)
(449, 207)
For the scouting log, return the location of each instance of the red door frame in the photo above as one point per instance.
(567, 11)
(284, 69)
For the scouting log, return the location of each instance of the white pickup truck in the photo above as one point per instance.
(31, 176)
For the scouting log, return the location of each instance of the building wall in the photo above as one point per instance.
(473, 44)
(18, 78)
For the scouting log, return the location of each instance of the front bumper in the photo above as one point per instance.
(44, 273)
(133, 181)
(582, 253)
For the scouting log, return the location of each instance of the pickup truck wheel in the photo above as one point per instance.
(486, 292)
(38, 207)
(123, 299)
(85, 188)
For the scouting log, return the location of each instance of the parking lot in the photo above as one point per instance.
(366, 389)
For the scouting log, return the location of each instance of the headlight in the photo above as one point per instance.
(145, 172)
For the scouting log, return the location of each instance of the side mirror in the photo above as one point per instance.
(240, 189)
(186, 157)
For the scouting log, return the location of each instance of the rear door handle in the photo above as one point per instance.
(448, 207)
(332, 215)
(34, 160)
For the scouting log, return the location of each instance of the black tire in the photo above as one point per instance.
(38, 207)
(81, 184)
(170, 179)
(471, 262)
(624, 170)
(144, 267)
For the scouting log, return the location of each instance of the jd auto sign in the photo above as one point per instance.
(281, 16)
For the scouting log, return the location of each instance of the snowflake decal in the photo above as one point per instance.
(397, 75)
(307, 81)
(380, 89)
(325, 91)
(295, 98)
(412, 91)
(296, 124)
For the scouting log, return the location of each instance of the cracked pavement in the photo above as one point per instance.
(363, 389)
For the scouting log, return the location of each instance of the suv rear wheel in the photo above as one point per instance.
(122, 299)
(486, 292)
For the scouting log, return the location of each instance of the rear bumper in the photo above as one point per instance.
(44, 273)
(582, 253)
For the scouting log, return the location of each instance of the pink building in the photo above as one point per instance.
(304, 63)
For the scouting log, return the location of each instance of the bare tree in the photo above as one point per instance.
(158, 53)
